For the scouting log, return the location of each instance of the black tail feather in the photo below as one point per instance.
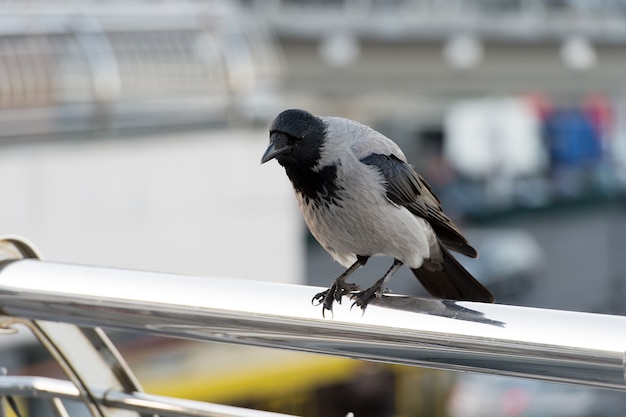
(454, 241)
(451, 281)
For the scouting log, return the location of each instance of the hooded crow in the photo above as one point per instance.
(360, 198)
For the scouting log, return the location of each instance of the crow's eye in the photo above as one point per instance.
(292, 140)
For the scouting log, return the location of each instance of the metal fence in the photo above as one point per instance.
(63, 68)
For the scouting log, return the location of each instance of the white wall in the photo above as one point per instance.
(195, 203)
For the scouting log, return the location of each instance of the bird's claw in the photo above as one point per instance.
(363, 298)
(336, 291)
(326, 299)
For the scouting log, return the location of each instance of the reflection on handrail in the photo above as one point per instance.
(551, 345)
(50, 389)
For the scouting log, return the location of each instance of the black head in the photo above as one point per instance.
(295, 138)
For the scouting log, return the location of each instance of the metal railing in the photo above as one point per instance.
(66, 68)
(54, 391)
(63, 303)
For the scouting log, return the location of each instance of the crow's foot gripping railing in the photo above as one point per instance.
(66, 304)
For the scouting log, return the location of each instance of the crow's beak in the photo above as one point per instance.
(275, 149)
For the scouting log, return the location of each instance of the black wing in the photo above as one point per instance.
(407, 188)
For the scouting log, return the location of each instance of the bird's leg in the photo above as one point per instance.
(339, 287)
(363, 298)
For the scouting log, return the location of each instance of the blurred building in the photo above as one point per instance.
(146, 91)
(388, 55)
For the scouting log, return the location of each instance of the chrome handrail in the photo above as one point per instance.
(574, 347)
(51, 389)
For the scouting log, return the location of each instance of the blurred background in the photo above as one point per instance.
(131, 135)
